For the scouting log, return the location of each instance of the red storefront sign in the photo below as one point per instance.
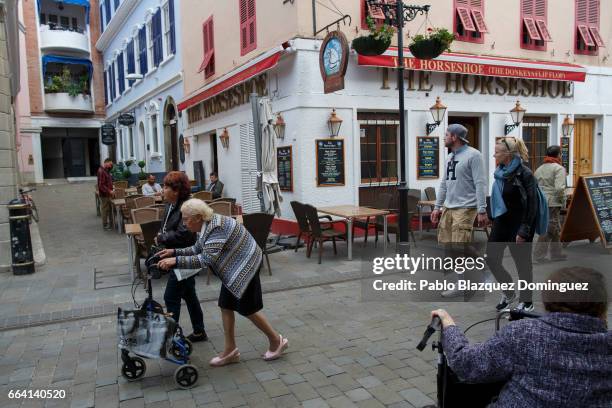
(487, 66)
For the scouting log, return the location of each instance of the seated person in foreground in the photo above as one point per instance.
(563, 359)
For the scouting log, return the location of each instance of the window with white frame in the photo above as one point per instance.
(150, 43)
(154, 135)
(166, 28)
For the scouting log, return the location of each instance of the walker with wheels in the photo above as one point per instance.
(148, 332)
(451, 391)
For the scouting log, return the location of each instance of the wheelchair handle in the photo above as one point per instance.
(436, 324)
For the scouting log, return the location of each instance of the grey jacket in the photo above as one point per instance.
(463, 182)
(216, 189)
(552, 180)
(559, 360)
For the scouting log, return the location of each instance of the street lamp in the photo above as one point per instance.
(517, 113)
(437, 113)
(397, 14)
(568, 126)
(334, 124)
(279, 127)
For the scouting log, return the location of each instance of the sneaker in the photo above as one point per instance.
(196, 337)
(504, 303)
(452, 293)
(525, 306)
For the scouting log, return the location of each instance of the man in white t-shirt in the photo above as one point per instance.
(151, 188)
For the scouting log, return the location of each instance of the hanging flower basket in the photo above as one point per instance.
(433, 44)
(370, 45)
(376, 42)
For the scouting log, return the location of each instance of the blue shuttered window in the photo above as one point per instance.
(142, 50)
(172, 34)
(105, 88)
(107, 11)
(156, 38)
(116, 4)
(121, 73)
(131, 63)
(101, 17)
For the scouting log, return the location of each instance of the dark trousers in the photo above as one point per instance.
(503, 235)
(185, 289)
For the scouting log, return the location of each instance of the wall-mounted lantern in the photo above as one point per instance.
(334, 124)
(279, 127)
(517, 113)
(568, 126)
(438, 110)
(225, 138)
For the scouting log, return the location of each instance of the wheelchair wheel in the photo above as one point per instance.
(136, 372)
(186, 376)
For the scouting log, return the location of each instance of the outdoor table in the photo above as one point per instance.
(350, 212)
(131, 232)
(420, 205)
(131, 190)
(118, 217)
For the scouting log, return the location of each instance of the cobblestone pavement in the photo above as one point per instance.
(343, 353)
(58, 329)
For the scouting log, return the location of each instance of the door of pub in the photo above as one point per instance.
(583, 148)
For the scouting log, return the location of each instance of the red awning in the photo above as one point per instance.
(233, 78)
(477, 65)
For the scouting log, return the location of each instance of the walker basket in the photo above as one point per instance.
(145, 333)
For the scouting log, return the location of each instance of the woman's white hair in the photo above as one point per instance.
(195, 206)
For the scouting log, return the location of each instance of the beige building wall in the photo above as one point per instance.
(278, 22)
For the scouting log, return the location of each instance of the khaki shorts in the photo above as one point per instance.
(456, 225)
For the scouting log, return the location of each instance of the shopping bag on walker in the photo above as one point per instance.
(144, 333)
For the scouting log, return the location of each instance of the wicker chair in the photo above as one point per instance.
(302, 220)
(222, 208)
(319, 234)
(203, 195)
(142, 202)
(142, 215)
(119, 192)
(259, 225)
(393, 227)
(120, 184)
(145, 241)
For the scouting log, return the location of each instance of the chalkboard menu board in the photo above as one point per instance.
(565, 153)
(428, 152)
(198, 174)
(284, 168)
(330, 162)
(600, 192)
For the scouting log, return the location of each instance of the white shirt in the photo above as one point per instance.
(150, 190)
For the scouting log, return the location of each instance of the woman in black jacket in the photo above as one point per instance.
(174, 234)
(514, 206)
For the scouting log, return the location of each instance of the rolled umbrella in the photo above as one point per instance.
(271, 189)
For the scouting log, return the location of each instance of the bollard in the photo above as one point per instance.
(21, 242)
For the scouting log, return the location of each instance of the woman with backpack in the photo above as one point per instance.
(514, 208)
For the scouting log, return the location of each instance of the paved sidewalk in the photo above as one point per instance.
(343, 353)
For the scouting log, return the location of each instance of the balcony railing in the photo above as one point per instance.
(64, 102)
(67, 84)
(60, 38)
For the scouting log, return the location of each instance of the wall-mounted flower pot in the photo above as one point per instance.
(368, 45)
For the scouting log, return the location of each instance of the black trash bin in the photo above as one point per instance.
(21, 241)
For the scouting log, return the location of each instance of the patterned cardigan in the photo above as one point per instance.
(559, 360)
(228, 249)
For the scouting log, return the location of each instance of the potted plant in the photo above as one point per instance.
(128, 163)
(117, 172)
(376, 42)
(126, 174)
(142, 175)
(432, 44)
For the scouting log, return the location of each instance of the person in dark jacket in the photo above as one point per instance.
(215, 186)
(562, 359)
(105, 192)
(174, 234)
(514, 206)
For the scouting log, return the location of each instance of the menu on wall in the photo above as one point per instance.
(284, 168)
(330, 162)
(600, 192)
(428, 152)
(565, 153)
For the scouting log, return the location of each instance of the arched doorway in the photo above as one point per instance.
(142, 144)
(171, 135)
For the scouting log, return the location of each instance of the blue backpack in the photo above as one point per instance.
(542, 215)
